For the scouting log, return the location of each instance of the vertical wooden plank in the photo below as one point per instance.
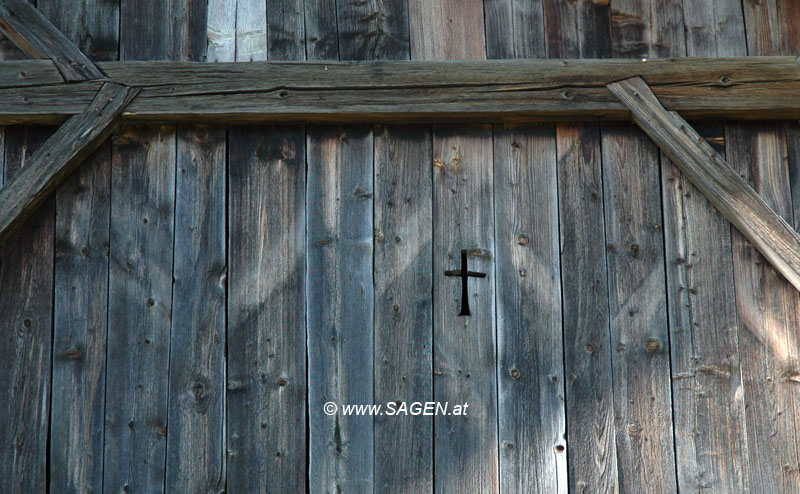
(714, 28)
(140, 307)
(221, 30)
(93, 25)
(446, 29)
(769, 314)
(80, 323)
(531, 414)
(340, 307)
(195, 448)
(168, 30)
(773, 27)
(403, 306)
(708, 402)
(251, 30)
(266, 420)
(514, 29)
(464, 347)
(373, 30)
(638, 311)
(322, 41)
(647, 28)
(580, 29)
(26, 291)
(462, 219)
(591, 436)
(80, 316)
(286, 30)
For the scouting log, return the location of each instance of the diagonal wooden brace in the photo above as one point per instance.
(60, 155)
(777, 241)
(27, 28)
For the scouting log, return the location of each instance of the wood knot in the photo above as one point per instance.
(652, 345)
(635, 249)
(522, 240)
(282, 382)
(85, 250)
(396, 308)
(515, 373)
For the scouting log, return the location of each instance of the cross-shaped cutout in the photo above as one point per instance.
(464, 274)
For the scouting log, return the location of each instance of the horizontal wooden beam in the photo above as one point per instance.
(60, 155)
(27, 28)
(777, 241)
(410, 91)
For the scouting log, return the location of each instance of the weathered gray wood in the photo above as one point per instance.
(61, 155)
(464, 365)
(708, 403)
(286, 30)
(26, 294)
(38, 38)
(532, 422)
(80, 312)
(266, 397)
(80, 320)
(340, 307)
(403, 306)
(28, 73)
(221, 30)
(140, 305)
(195, 436)
(93, 25)
(322, 37)
(638, 312)
(647, 28)
(251, 30)
(579, 29)
(591, 438)
(169, 30)
(514, 29)
(714, 28)
(769, 315)
(373, 30)
(405, 91)
(777, 241)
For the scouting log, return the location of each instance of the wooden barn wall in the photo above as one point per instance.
(166, 317)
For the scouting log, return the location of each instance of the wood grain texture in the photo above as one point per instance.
(266, 397)
(773, 236)
(714, 28)
(773, 27)
(221, 30)
(531, 405)
(403, 306)
(340, 306)
(196, 413)
(38, 38)
(446, 29)
(591, 438)
(92, 25)
(406, 91)
(638, 312)
(61, 155)
(463, 218)
(647, 28)
(140, 308)
(286, 37)
(167, 30)
(514, 29)
(26, 298)
(769, 313)
(580, 29)
(251, 30)
(80, 322)
(28, 73)
(373, 30)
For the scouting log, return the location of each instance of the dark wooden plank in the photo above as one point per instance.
(579, 29)
(80, 313)
(514, 29)
(38, 38)
(286, 30)
(714, 28)
(777, 241)
(140, 306)
(61, 155)
(266, 397)
(373, 30)
(769, 313)
(392, 91)
(647, 28)
(195, 436)
(93, 25)
(340, 307)
(173, 30)
(403, 306)
(638, 311)
(79, 327)
(322, 39)
(29, 73)
(26, 288)
(588, 348)
(532, 422)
